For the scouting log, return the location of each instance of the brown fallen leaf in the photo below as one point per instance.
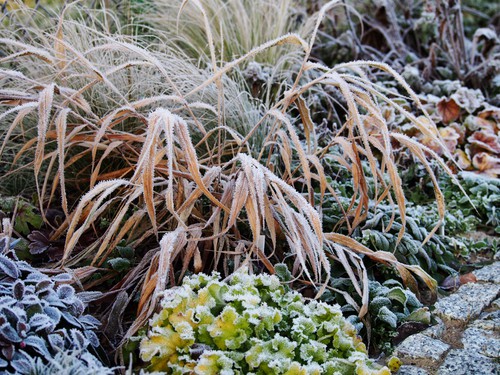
(448, 110)
(407, 329)
(468, 278)
(455, 281)
(485, 140)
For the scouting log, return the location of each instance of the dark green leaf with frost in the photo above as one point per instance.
(126, 251)
(397, 294)
(387, 316)
(378, 302)
(119, 264)
(283, 272)
(421, 315)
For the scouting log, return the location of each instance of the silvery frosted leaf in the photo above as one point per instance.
(18, 289)
(29, 288)
(485, 33)
(4, 289)
(14, 314)
(9, 334)
(87, 297)
(54, 300)
(6, 301)
(468, 99)
(8, 352)
(3, 363)
(89, 321)
(38, 344)
(34, 309)
(53, 313)
(77, 307)
(31, 299)
(36, 277)
(378, 302)
(13, 244)
(71, 319)
(78, 339)
(9, 268)
(56, 341)
(92, 338)
(62, 278)
(21, 363)
(43, 286)
(65, 292)
(25, 266)
(40, 321)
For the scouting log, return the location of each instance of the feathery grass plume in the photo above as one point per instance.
(162, 147)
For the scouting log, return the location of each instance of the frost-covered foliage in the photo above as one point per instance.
(437, 255)
(380, 228)
(26, 217)
(391, 306)
(250, 325)
(468, 124)
(483, 192)
(73, 362)
(40, 316)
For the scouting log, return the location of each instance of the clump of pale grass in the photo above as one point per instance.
(170, 151)
(218, 31)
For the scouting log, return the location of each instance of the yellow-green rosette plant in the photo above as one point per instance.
(250, 325)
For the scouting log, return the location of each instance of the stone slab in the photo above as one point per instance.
(463, 362)
(468, 302)
(496, 303)
(490, 273)
(481, 341)
(411, 370)
(436, 331)
(420, 346)
(489, 321)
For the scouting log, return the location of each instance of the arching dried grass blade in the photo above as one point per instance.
(24, 110)
(44, 109)
(101, 190)
(61, 122)
(386, 258)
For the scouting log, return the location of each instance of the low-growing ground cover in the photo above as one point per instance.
(351, 149)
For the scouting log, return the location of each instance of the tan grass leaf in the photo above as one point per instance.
(298, 146)
(102, 191)
(44, 109)
(24, 110)
(114, 225)
(385, 258)
(61, 122)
